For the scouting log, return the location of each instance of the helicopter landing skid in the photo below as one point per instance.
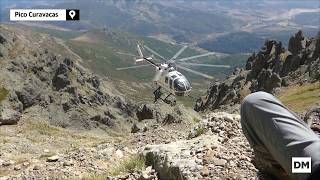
(157, 95)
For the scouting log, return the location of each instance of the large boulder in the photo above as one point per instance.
(176, 160)
(106, 120)
(28, 95)
(9, 117)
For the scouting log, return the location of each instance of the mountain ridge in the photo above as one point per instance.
(267, 70)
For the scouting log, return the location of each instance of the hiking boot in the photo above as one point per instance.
(268, 168)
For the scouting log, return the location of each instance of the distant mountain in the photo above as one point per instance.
(234, 43)
(207, 22)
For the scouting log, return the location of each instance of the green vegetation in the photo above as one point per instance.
(300, 98)
(196, 120)
(3, 93)
(66, 35)
(130, 164)
(200, 131)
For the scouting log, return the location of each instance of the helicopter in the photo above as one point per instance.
(167, 76)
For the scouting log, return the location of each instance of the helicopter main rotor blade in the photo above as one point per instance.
(132, 67)
(195, 72)
(155, 53)
(179, 52)
(201, 55)
(205, 65)
(128, 54)
(139, 50)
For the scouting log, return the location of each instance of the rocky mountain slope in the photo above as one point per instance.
(59, 120)
(40, 76)
(267, 70)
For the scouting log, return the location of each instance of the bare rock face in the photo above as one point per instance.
(297, 43)
(62, 77)
(272, 67)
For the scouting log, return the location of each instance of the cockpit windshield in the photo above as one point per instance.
(181, 84)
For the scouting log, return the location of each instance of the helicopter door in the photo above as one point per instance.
(170, 82)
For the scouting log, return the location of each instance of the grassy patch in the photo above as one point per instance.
(200, 131)
(130, 164)
(20, 159)
(63, 139)
(4, 173)
(3, 93)
(46, 155)
(5, 140)
(196, 120)
(43, 128)
(300, 98)
(95, 177)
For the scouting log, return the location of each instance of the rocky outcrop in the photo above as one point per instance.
(145, 111)
(62, 77)
(172, 161)
(216, 148)
(28, 95)
(44, 78)
(163, 113)
(272, 67)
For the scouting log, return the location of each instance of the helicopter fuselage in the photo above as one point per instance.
(173, 81)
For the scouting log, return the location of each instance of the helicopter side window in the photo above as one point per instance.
(166, 80)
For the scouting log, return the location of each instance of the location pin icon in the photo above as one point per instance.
(72, 13)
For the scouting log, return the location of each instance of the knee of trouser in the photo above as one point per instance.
(253, 98)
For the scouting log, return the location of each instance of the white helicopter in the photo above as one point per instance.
(167, 76)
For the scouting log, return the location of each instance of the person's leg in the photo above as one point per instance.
(276, 134)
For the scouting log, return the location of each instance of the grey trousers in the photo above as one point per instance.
(277, 134)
